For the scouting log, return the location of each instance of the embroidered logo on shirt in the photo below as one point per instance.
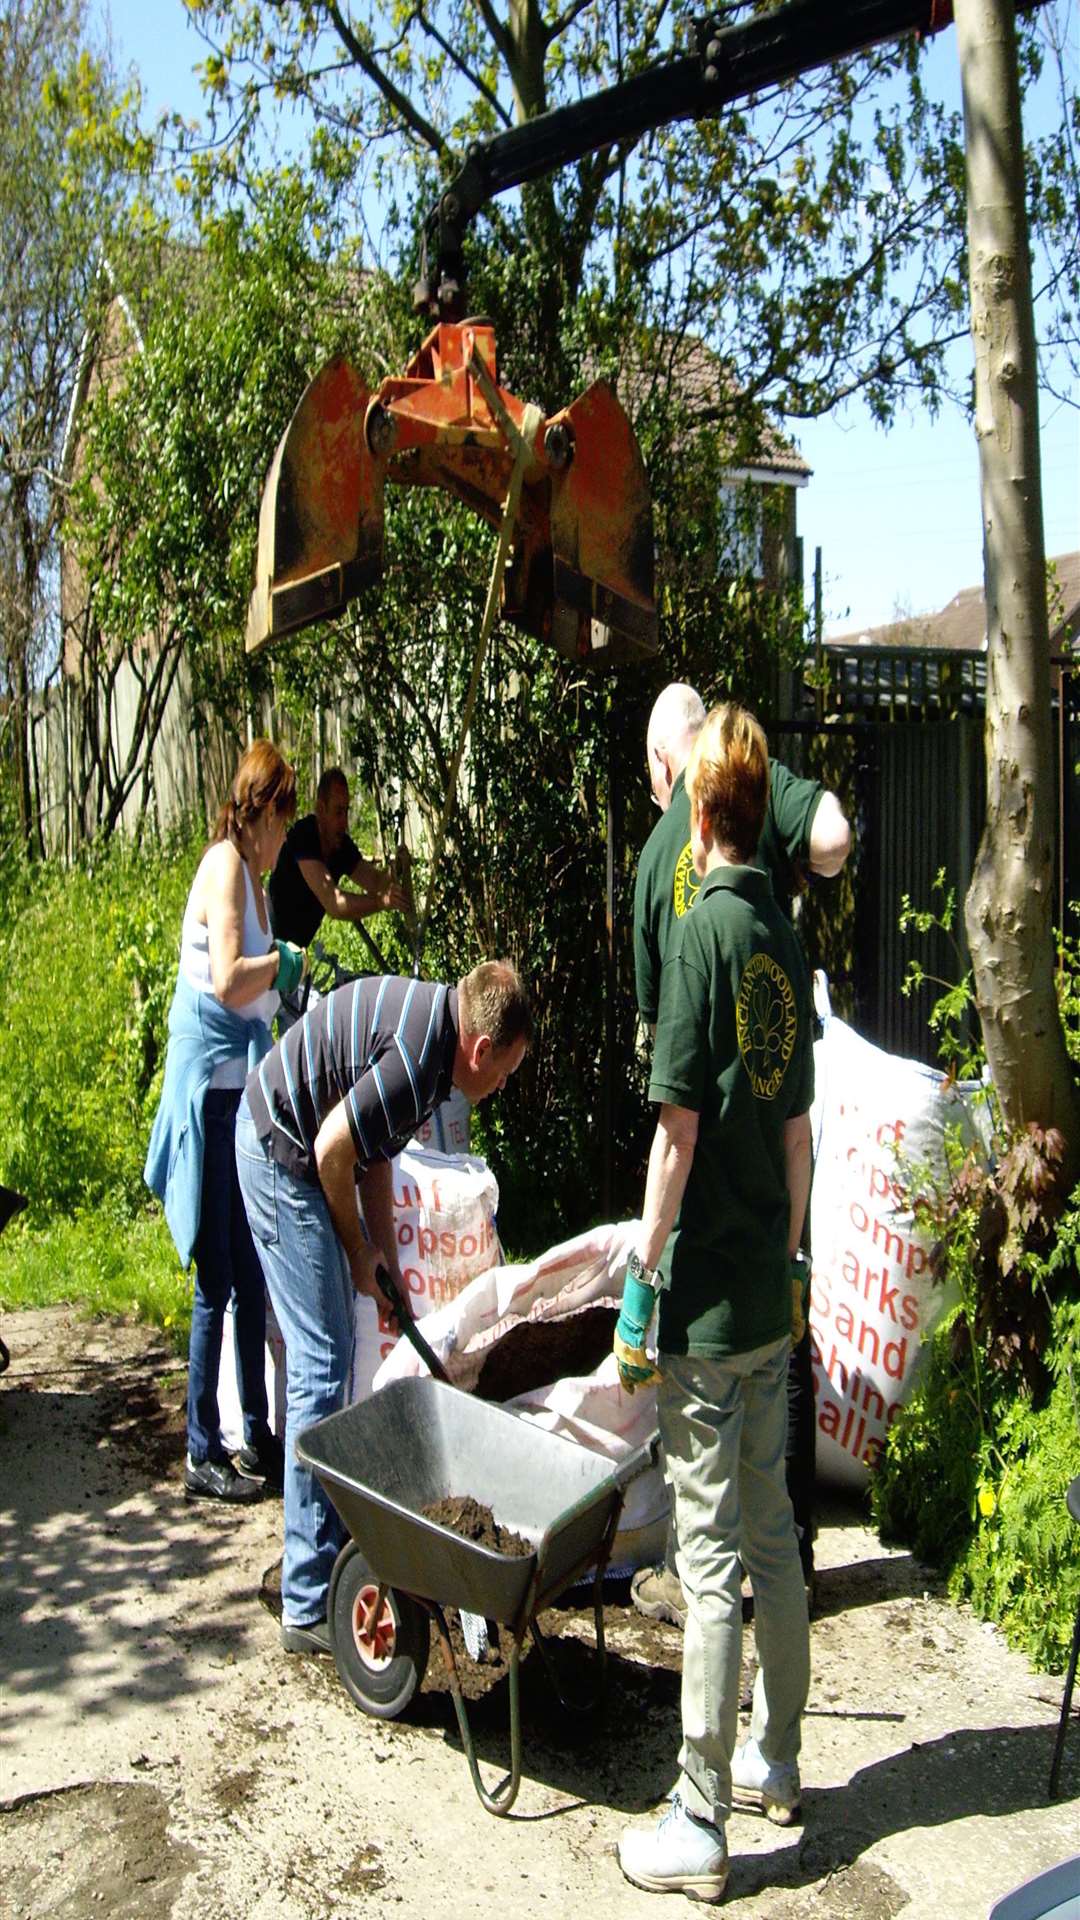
(687, 884)
(765, 1023)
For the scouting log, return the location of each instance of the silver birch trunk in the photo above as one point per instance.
(1009, 905)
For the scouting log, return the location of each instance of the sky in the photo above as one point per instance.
(895, 511)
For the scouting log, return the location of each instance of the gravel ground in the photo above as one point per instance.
(161, 1756)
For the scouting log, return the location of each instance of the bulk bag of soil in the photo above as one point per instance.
(880, 1126)
(444, 1221)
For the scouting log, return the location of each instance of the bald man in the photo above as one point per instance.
(805, 829)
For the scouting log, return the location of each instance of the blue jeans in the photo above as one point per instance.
(225, 1263)
(723, 1424)
(308, 1279)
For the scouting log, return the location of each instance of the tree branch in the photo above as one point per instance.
(475, 79)
(393, 95)
(503, 44)
(564, 20)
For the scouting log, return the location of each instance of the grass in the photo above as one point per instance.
(111, 1266)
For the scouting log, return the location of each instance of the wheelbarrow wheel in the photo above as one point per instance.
(381, 1664)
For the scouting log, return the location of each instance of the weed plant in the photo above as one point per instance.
(974, 1477)
(104, 1261)
(87, 970)
(88, 958)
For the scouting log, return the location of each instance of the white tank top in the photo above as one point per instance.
(195, 968)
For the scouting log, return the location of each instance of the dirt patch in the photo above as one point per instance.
(475, 1522)
(147, 1419)
(232, 1790)
(481, 1679)
(100, 1849)
(538, 1352)
(270, 1588)
(365, 1872)
(846, 1892)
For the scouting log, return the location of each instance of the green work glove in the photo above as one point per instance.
(291, 962)
(638, 1307)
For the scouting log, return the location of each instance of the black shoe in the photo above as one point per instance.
(313, 1639)
(264, 1461)
(218, 1480)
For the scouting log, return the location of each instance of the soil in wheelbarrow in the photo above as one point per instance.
(464, 1515)
(538, 1352)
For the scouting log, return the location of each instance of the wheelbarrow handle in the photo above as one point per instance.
(639, 1461)
(403, 1314)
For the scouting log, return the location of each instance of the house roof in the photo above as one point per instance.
(960, 627)
(705, 384)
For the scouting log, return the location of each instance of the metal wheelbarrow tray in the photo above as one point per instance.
(417, 1442)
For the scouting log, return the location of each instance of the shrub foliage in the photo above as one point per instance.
(87, 967)
(978, 1462)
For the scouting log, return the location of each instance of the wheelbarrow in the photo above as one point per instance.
(410, 1446)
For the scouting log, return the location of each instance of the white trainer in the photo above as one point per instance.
(773, 1791)
(681, 1854)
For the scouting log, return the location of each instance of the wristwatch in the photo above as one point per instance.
(648, 1276)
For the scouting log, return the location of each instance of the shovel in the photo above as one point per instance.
(473, 1625)
(409, 1328)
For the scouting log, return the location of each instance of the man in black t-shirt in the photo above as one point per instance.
(318, 854)
(805, 833)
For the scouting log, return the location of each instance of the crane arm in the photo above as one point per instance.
(729, 63)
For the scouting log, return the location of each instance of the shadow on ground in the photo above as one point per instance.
(98, 1559)
(986, 1773)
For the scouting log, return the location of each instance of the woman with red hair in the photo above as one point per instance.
(232, 972)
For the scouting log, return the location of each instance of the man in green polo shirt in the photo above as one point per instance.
(805, 831)
(728, 1180)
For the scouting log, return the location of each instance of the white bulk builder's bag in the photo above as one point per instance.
(595, 1410)
(877, 1120)
(444, 1222)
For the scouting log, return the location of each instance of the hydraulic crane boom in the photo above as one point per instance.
(730, 62)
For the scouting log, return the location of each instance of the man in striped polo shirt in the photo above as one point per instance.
(321, 1119)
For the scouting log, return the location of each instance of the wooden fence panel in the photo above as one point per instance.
(193, 757)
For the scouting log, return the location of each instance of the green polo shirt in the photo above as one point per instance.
(667, 885)
(733, 1044)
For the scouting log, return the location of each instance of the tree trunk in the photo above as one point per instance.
(1009, 903)
(21, 704)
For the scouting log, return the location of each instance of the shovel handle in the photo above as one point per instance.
(392, 1294)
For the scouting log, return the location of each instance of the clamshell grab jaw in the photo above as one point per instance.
(321, 518)
(581, 574)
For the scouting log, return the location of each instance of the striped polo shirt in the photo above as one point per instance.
(383, 1045)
